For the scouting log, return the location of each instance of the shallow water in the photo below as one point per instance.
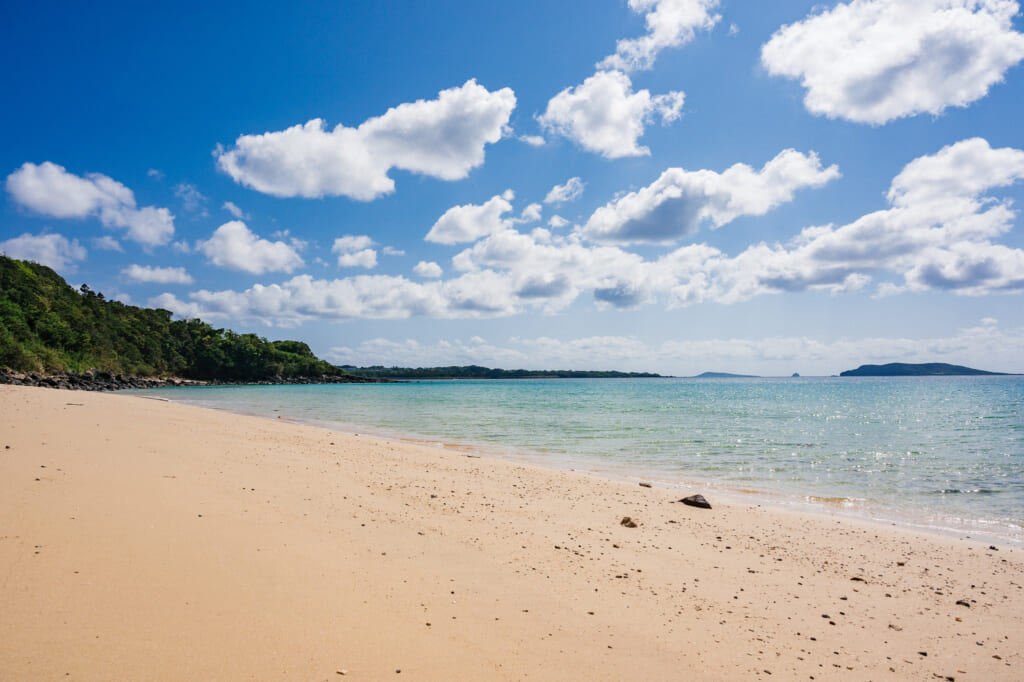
(939, 452)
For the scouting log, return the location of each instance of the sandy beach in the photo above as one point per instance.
(145, 540)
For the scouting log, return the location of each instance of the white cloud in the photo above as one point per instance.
(532, 140)
(937, 233)
(392, 251)
(155, 174)
(234, 246)
(470, 222)
(233, 209)
(354, 251)
(428, 269)
(191, 198)
(561, 194)
(443, 138)
(48, 189)
(531, 214)
(872, 61)
(148, 273)
(670, 23)
(603, 114)
(557, 221)
(680, 200)
(107, 243)
(985, 346)
(52, 250)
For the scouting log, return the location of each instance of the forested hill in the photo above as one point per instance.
(928, 369)
(47, 326)
(477, 372)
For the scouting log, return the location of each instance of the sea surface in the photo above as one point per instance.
(940, 453)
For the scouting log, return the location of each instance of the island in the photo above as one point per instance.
(926, 369)
(724, 375)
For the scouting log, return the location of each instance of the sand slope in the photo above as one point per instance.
(145, 540)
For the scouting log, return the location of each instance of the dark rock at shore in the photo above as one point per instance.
(696, 501)
(105, 381)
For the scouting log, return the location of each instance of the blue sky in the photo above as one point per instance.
(659, 185)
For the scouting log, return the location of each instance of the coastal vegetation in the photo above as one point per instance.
(48, 326)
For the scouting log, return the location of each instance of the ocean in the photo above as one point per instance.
(936, 453)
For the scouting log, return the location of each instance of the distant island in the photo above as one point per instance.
(724, 375)
(478, 372)
(927, 369)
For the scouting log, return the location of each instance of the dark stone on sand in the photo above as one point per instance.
(645, 485)
(696, 501)
(963, 602)
(628, 522)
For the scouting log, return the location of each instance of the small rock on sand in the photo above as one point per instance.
(628, 522)
(696, 501)
(645, 485)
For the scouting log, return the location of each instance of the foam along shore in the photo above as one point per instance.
(142, 539)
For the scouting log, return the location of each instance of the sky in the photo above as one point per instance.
(674, 186)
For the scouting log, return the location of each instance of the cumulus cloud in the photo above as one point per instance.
(442, 138)
(233, 209)
(680, 200)
(233, 245)
(470, 222)
(557, 221)
(354, 251)
(148, 273)
(428, 269)
(532, 140)
(603, 114)
(49, 190)
(531, 214)
(937, 233)
(670, 23)
(562, 194)
(52, 250)
(107, 243)
(872, 61)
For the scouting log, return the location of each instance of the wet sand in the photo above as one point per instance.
(140, 539)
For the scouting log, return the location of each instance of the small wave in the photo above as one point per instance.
(957, 491)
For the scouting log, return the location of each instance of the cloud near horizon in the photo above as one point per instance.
(52, 250)
(984, 345)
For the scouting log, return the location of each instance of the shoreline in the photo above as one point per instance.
(147, 539)
(856, 509)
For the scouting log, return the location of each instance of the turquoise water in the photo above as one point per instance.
(940, 452)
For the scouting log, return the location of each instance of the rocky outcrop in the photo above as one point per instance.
(105, 381)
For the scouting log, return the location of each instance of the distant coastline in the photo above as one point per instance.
(478, 372)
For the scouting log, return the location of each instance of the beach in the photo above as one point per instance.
(143, 539)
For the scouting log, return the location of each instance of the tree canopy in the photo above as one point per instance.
(48, 326)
